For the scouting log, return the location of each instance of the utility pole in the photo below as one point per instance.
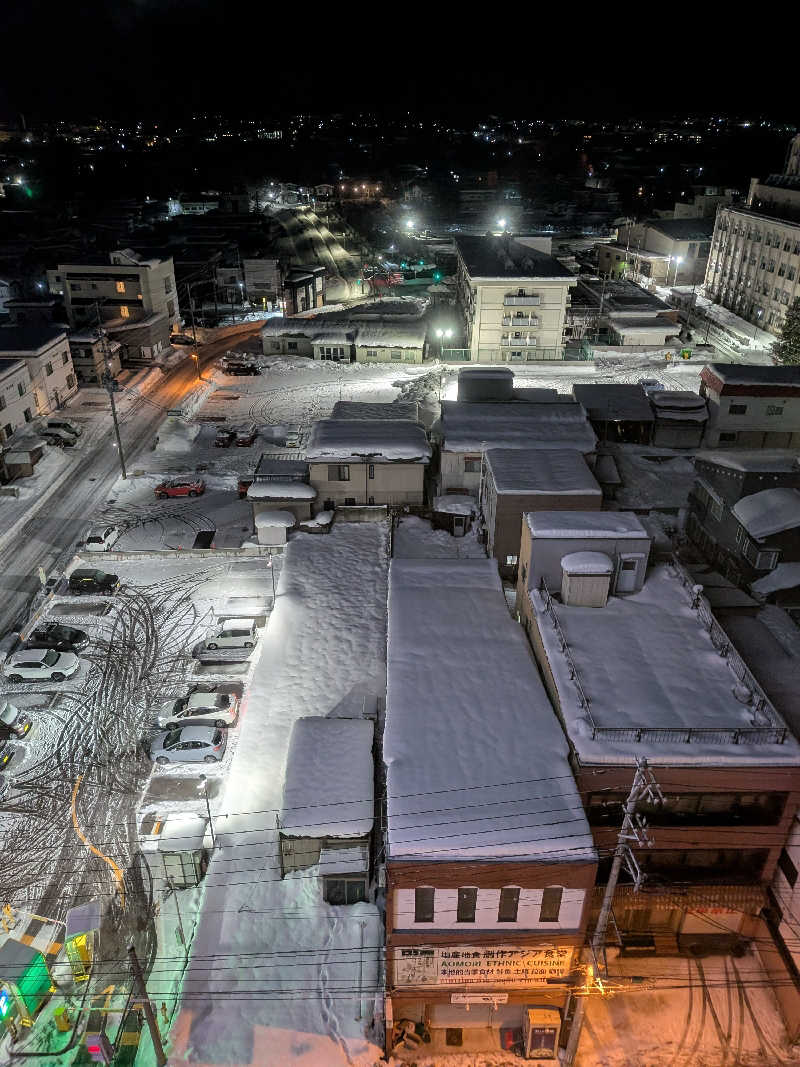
(632, 832)
(109, 382)
(139, 986)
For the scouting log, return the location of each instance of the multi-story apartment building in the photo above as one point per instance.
(92, 355)
(135, 298)
(512, 300)
(751, 406)
(754, 264)
(744, 510)
(489, 858)
(45, 351)
(16, 402)
(643, 669)
(664, 251)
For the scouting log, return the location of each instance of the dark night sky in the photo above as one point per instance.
(151, 57)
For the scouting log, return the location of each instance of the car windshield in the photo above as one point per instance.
(51, 657)
(94, 539)
(172, 738)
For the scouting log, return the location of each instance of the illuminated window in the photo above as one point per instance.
(120, 287)
(124, 312)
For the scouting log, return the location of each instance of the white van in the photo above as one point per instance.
(65, 424)
(234, 633)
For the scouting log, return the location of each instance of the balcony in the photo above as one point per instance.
(522, 301)
(521, 320)
(518, 342)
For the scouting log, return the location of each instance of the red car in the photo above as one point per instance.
(180, 487)
(246, 436)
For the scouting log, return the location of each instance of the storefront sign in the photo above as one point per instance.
(471, 965)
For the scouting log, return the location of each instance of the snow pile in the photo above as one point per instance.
(322, 518)
(446, 800)
(785, 576)
(416, 539)
(768, 512)
(382, 440)
(265, 519)
(390, 336)
(475, 427)
(455, 504)
(281, 491)
(769, 460)
(275, 973)
(608, 524)
(586, 563)
(679, 404)
(534, 470)
(329, 785)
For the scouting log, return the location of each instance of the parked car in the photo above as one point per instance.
(199, 708)
(652, 385)
(191, 744)
(59, 438)
(101, 539)
(247, 435)
(91, 580)
(66, 425)
(181, 339)
(241, 368)
(180, 487)
(292, 439)
(13, 722)
(242, 487)
(235, 633)
(56, 635)
(40, 664)
(225, 437)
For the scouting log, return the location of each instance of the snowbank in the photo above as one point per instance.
(455, 504)
(768, 512)
(785, 576)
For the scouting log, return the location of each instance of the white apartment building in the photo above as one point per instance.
(16, 402)
(45, 351)
(512, 300)
(128, 287)
(662, 251)
(754, 265)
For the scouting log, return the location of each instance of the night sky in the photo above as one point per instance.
(170, 57)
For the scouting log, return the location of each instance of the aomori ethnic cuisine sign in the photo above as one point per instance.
(472, 965)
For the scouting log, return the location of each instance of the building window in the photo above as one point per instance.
(423, 905)
(787, 868)
(124, 312)
(170, 307)
(48, 369)
(737, 409)
(27, 414)
(467, 901)
(551, 905)
(765, 561)
(349, 501)
(472, 464)
(276, 346)
(727, 438)
(338, 472)
(740, 536)
(291, 346)
(396, 354)
(344, 890)
(511, 561)
(70, 381)
(65, 358)
(75, 287)
(168, 285)
(371, 470)
(372, 353)
(509, 904)
(20, 389)
(8, 430)
(774, 409)
(121, 287)
(2, 403)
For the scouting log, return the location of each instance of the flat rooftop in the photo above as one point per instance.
(757, 460)
(571, 524)
(641, 677)
(381, 440)
(501, 257)
(536, 470)
(356, 409)
(477, 763)
(468, 427)
(609, 402)
(753, 374)
(29, 338)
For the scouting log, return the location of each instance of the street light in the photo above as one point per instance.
(443, 335)
(678, 259)
(196, 359)
(502, 224)
(204, 786)
(409, 224)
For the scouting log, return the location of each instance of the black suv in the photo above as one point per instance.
(89, 580)
(61, 638)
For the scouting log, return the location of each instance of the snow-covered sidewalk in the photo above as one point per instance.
(276, 975)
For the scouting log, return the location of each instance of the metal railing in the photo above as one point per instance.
(521, 320)
(518, 342)
(766, 728)
(522, 301)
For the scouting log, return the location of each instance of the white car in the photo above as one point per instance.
(40, 664)
(235, 633)
(191, 744)
(199, 709)
(652, 385)
(101, 538)
(292, 439)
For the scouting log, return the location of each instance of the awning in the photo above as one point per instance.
(746, 898)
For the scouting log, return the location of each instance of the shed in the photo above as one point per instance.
(485, 383)
(294, 497)
(20, 460)
(82, 936)
(273, 526)
(25, 981)
(619, 413)
(327, 813)
(183, 850)
(585, 579)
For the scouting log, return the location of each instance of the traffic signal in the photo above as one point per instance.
(437, 275)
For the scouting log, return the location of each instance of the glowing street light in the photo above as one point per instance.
(678, 259)
(502, 224)
(409, 224)
(443, 335)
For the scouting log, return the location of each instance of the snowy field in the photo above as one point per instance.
(277, 976)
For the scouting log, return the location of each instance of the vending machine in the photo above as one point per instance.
(541, 1029)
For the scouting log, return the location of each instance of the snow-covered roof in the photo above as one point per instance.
(768, 460)
(357, 409)
(328, 790)
(785, 576)
(455, 504)
(281, 491)
(647, 661)
(382, 440)
(536, 470)
(461, 685)
(571, 524)
(467, 427)
(587, 563)
(679, 404)
(768, 512)
(391, 336)
(183, 832)
(268, 518)
(353, 860)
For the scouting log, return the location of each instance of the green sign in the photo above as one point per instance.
(686, 353)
